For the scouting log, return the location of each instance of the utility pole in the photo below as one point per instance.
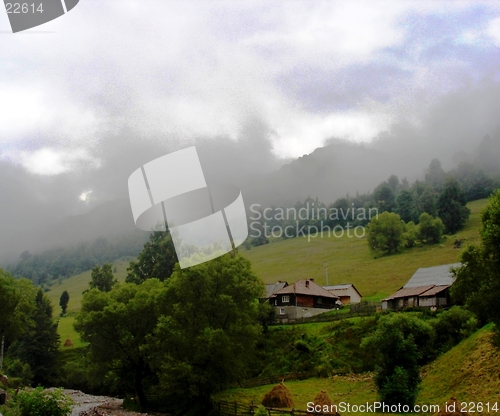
(326, 273)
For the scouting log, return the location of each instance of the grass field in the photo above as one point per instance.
(350, 261)
(75, 285)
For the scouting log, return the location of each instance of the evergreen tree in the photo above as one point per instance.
(435, 176)
(451, 206)
(63, 301)
(38, 346)
(406, 206)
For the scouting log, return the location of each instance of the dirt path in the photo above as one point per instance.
(89, 405)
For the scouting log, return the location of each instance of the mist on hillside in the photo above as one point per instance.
(318, 99)
(40, 212)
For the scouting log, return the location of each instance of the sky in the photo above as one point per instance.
(89, 97)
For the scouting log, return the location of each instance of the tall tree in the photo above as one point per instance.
(117, 325)
(435, 175)
(39, 344)
(406, 207)
(156, 260)
(63, 301)
(213, 305)
(384, 197)
(451, 206)
(102, 278)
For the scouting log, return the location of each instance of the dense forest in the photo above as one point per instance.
(63, 262)
(432, 195)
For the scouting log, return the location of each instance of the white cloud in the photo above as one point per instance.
(190, 70)
(304, 133)
(49, 162)
(493, 30)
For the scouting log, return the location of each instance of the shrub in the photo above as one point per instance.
(40, 402)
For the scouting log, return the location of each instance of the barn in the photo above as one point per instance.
(427, 288)
(347, 293)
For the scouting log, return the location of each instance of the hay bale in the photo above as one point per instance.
(323, 399)
(278, 397)
(68, 343)
(452, 408)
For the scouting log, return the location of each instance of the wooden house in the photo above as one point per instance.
(427, 288)
(302, 299)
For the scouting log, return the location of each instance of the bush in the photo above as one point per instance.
(40, 402)
(410, 236)
(452, 326)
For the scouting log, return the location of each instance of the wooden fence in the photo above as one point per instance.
(234, 409)
(360, 309)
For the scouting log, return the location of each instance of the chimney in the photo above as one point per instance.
(307, 283)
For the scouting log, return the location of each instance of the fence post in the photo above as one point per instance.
(235, 408)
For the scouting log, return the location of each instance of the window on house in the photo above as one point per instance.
(320, 301)
(282, 311)
(285, 299)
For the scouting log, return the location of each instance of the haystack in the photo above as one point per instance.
(325, 401)
(452, 408)
(279, 396)
(68, 343)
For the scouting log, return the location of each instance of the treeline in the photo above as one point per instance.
(63, 262)
(432, 196)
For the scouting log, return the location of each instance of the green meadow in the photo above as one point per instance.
(350, 261)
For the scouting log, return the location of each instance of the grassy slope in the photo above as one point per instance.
(75, 285)
(470, 372)
(350, 261)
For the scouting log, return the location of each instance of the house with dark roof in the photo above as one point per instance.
(428, 288)
(347, 293)
(302, 299)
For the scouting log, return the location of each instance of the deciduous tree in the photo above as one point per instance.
(156, 260)
(385, 233)
(102, 278)
(401, 344)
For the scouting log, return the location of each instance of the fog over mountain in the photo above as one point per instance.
(285, 100)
